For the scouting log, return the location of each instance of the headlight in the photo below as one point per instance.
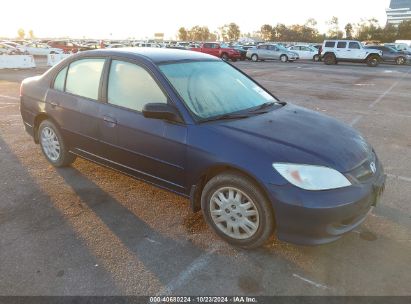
(310, 177)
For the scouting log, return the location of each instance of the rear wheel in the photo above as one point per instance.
(330, 59)
(224, 56)
(283, 58)
(53, 145)
(400, 60)
(254, 57)
(373, 61)
(237, 210)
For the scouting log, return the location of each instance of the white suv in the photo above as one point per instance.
(334, 51)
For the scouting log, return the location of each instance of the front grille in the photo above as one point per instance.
(363, 172)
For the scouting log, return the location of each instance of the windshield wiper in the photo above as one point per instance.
(226, 117)
(262, 107)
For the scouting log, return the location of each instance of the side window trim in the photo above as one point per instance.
(56, 75)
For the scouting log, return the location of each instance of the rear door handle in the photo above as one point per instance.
(110, 121)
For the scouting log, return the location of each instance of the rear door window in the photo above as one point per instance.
(83, 77)
(341, 45)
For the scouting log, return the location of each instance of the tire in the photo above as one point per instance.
(254, 57)
(284, 58)
(316, 58)
(246, 221)
(224, 56)
(330, 59)
(53, 145)
(400, 60)
(372, 61)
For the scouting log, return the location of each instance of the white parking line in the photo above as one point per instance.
(381, 97)
(318, 285)
(403, 178)
(199, 263)
(8, 106)
(9, 97)
(356, 119)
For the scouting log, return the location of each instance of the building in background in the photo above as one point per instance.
(159, 37)
(399, 11)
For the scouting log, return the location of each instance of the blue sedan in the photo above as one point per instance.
(195, 125)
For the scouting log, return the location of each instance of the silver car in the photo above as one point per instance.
(271, 52)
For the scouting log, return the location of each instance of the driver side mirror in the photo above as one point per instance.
(163, 111)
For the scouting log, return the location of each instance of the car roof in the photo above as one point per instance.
(156, 55)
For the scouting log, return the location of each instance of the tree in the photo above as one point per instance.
(281, 32)
(213, 36)
(21, 33)
(390, 33)
(267, 32)
(334, 29)
(233, 31)
(311, 22)
(31, 34)
(223, 33)
(404, 30)
(368, 30)
(199, 33)
(348, 30)
(182, 34)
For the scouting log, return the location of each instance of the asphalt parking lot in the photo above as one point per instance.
(86, 230)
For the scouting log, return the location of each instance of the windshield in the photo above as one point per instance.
(214, 88)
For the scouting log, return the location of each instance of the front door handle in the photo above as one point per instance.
(54, 104)
(110, 121)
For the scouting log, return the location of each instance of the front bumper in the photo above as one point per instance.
(318, 217)
(293, 57)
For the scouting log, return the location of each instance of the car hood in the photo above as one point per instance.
(298, 135)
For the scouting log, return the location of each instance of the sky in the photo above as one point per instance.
(122, 19)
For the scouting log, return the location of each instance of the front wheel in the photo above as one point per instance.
(53, 145)
(284, 58)
(254, 57)
(372, 61)
(237, 210)
(316, 58)
(224, 56)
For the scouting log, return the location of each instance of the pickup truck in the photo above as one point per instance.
(216, 49)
